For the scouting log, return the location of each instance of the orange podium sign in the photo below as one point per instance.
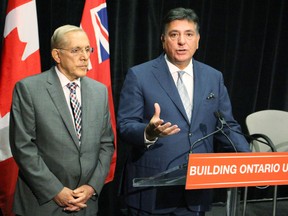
(223, 170)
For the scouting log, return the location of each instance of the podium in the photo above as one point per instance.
(170, 177)
(224, 170)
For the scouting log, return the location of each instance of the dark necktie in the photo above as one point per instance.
(76, 108)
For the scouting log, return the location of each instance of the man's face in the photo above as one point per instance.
(180, 42)
(72, 60)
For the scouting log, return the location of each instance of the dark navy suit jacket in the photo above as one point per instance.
(152, 82)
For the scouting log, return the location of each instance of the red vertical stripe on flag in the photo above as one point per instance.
(9, 172)
(95, 24)
(20, 57)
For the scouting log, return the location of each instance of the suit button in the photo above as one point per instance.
(189, 134)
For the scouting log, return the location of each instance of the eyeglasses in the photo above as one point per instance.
(76, 51)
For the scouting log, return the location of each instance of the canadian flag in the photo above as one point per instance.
(20, 58)
(95, 23)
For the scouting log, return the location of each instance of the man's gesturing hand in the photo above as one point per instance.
(157, 127)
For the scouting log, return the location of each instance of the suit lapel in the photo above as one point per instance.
(200, 84)
(163, 75)
(56, 92)
(85, 104)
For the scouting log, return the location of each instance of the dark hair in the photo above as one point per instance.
(180, 14)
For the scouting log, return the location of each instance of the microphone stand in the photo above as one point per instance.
(230, 141)
(232, 193)
(205, 137)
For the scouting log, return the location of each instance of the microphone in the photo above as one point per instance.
(193, 144)
(220, 117)
(249, 137)
(205, 137)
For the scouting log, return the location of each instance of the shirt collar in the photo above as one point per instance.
(174, 69)
(64, 80)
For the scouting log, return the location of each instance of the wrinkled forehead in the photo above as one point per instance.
(76, 39)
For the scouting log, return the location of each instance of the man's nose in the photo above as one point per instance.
(181, 39)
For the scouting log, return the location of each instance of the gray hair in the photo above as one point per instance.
(58, 39)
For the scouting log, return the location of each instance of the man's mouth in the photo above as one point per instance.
(181, 51)
(83, 66)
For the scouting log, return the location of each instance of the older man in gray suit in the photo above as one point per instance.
(60, 138)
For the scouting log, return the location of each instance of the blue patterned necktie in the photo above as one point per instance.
(76, 108)
(184, 94)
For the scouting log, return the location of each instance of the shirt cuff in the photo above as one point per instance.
(149, 142)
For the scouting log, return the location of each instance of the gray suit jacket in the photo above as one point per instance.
(45, 146)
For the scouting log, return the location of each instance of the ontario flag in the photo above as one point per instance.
(20, 57)
(95, 23)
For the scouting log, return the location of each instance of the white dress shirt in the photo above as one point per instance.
(187, 80)
(188, 77)
(64, 81)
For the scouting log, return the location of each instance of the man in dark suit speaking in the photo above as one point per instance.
(166, 104)
(60, 133)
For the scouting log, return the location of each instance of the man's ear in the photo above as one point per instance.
(163, 41)
(198, 41)
(55, 55)
(162, 38)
